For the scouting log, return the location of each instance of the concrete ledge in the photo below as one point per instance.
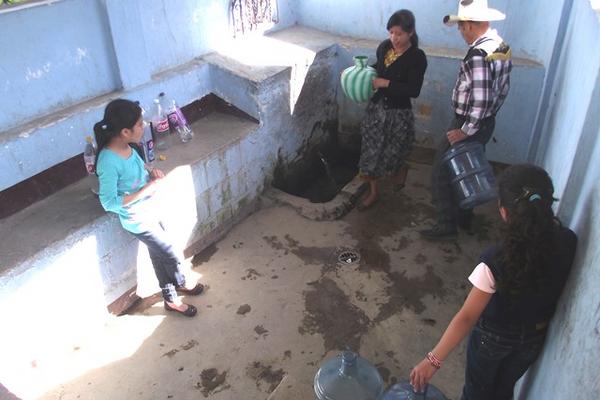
(68, 234)
(329, 211)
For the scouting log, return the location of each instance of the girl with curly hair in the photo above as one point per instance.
(516, 287)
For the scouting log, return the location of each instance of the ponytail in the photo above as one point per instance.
(119, 114)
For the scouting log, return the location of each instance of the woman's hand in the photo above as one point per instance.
(380, 83)
(421, 375)
(156, 174)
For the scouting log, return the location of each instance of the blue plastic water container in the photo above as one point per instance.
(404, 391)
(348, 377)
(472, 175)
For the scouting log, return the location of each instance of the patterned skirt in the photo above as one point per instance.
(387, 139)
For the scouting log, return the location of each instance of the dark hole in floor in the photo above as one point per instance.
(321, 172)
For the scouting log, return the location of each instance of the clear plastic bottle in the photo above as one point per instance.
(160, 126)
(147, 140)
(404, 391)
(89, 158)
(179, 123)
(348, 376)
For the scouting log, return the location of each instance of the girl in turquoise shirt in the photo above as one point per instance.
(127, 186)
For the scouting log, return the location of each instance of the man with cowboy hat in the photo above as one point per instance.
(482, 85)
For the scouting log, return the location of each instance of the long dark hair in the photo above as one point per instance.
(526, 192)
(119, 114)
(405, 19)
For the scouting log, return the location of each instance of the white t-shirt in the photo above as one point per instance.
(483, 279)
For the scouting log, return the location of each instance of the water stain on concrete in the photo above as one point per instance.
(251, 274)
(391, 217)
(274, 242)
(205, 255)
(212, 381)
(287, 354)
(420, 259)
(429, 321)
(450, 259)
(310, 255)
(329, 312)
(265, 375)
(402, 243)
(171, 353)
(408, 292)
(244, 309)
(192, 343)
(360, 296)
(383, 371)
(260, 330)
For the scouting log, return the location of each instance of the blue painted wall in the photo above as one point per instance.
(71, 51)
(570, 151)
(179, 30)
(530, 27)
(433, 111)
(53, 56)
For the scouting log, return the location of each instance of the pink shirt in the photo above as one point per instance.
(483, 279)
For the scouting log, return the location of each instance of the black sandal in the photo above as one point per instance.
(190, 311)
(196, 290)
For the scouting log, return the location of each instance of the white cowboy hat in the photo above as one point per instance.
(474, 10)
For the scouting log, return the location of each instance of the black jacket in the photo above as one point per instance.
(405, 76)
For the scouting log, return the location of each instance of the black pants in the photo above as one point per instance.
(442, 192)
(165, 261)
(496, 359)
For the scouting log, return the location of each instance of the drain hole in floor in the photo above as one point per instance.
(348, 257)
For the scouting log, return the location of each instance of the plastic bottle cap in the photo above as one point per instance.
(88, 139)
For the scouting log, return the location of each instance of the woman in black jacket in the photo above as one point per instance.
(388, 129)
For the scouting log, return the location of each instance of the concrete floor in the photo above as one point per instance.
(278, 304)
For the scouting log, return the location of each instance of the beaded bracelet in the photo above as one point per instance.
(433, 360)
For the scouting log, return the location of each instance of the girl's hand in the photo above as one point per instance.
(380, 83)
(421, 375)
(156, 174)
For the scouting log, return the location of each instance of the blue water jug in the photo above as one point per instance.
(348, 376)
(404, 391)
(472, 175)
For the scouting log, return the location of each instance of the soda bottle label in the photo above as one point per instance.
(89, 165)
(174, 119)
(181, 117)
(150, 150)
(161, 126)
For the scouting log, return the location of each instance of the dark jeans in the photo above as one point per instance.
(164, 260)
(496, 359)
(442, 192)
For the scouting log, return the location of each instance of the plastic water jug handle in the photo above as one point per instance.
(421, 395)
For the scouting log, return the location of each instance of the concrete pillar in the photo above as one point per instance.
(128, 40)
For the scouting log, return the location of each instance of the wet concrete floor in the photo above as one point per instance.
(279, 303)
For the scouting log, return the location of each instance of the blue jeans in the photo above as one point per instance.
(496, 359)
(165, 261)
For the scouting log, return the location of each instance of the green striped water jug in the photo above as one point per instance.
(357, 80)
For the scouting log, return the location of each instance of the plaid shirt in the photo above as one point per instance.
(483, 81)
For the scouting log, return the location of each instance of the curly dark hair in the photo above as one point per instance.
(526, 192)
